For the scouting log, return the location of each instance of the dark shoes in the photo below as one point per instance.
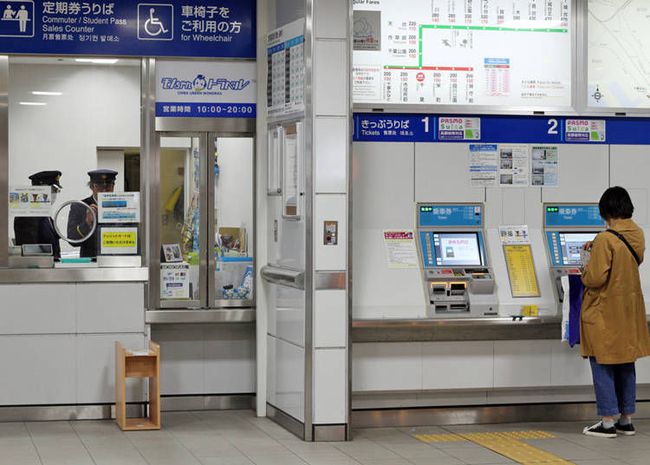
(627, 430)
(599, 431)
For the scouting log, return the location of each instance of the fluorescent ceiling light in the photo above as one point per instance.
(42, 92)
(97, 61)
(33, 103)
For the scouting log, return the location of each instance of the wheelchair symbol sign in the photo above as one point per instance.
(155, 21)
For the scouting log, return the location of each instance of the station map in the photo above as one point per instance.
(618, 53)
(463, 52)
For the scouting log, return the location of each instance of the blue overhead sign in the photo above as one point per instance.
(495, 129)
(182, 28)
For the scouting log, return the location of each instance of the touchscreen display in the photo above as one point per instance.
(571, 244)
(457, 249)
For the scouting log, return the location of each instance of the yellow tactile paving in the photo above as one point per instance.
(439, 437)
(506, 443)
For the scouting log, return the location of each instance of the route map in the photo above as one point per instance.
(618, 57)
(463, 52)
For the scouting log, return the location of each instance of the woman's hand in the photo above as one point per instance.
(587, 246)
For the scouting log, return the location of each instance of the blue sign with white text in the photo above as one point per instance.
(199, 28)
(393, 128)
(450, 215)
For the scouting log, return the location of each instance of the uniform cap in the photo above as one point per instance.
(46, 178)
(102, 176)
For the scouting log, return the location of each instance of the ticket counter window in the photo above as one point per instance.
(206, 221)
(69, 117)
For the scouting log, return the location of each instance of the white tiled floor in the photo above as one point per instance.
(239, 438)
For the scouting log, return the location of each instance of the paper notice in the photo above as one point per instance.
(514, 165)
(483, 166)
(545, 166)
(400, 248)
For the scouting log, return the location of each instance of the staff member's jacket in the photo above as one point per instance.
(613, 326)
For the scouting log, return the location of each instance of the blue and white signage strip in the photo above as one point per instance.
(206, 89)
(430, 215)
(394, 128)
(197, 28)
(568, 216)
(383, 127)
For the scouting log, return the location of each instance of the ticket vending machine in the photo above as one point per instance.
(457, 276)
(566, 228)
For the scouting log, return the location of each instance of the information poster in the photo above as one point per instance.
(545, 166)
(119, 241)
(461, 52)
(291, 171)
(30, 200)
(483, 165)
(400, 248)
(521, 270)
(618, 34)
(514, 165)
(585, 130)
(118, 207)
(286, 69)
(174, 281)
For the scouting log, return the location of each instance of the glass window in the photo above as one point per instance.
(69, 117)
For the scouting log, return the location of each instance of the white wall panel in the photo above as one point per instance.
(522, 363)
(383, 175)
(328, 21)
(442, 174)
(330, 91)
(290, 379)
(330, 154)
(330, 386)
(286, 314)
(385, 367)
(330, 207)
(643, 370)
(457, 365)
(96, 367)
(513, 206)
(229, 359)
(584, 174)
(110, 307)
(330, 318)
(568, 368)
(38, 370)
(37, 309)
(181, 360)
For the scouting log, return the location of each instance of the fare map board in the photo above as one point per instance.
(618, 33)
(463, 52)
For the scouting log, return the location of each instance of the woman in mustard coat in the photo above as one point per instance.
(613, 326)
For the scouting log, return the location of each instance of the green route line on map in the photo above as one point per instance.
(473, 28)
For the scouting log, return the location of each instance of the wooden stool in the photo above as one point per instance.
(145, 364)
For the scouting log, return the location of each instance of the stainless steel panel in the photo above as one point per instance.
(124, 261)
(327, 280)
(330, 433)
(469, 329)
(66, 412)
(209, 402)
(73, 275)
(286, 421)
(224, 126)
(235, 315)
(205, 204)
(481, 415)
(4, 159)
(283, 276)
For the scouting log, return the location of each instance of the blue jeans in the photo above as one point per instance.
(615, 387)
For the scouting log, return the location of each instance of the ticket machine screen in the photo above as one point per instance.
(457, 249)
(571, 244)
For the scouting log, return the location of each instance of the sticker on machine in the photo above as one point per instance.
(514, 234)
(399, 245)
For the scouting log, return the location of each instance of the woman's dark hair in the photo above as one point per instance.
(615, 203)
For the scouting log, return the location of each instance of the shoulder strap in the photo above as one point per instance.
(627, 244)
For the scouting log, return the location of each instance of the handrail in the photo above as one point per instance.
(283, 276)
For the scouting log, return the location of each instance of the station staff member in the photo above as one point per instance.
(40, 229)
(80, 220)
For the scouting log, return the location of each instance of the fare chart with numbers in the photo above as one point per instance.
(463, 52)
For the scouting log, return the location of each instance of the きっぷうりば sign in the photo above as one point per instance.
(198, 28)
